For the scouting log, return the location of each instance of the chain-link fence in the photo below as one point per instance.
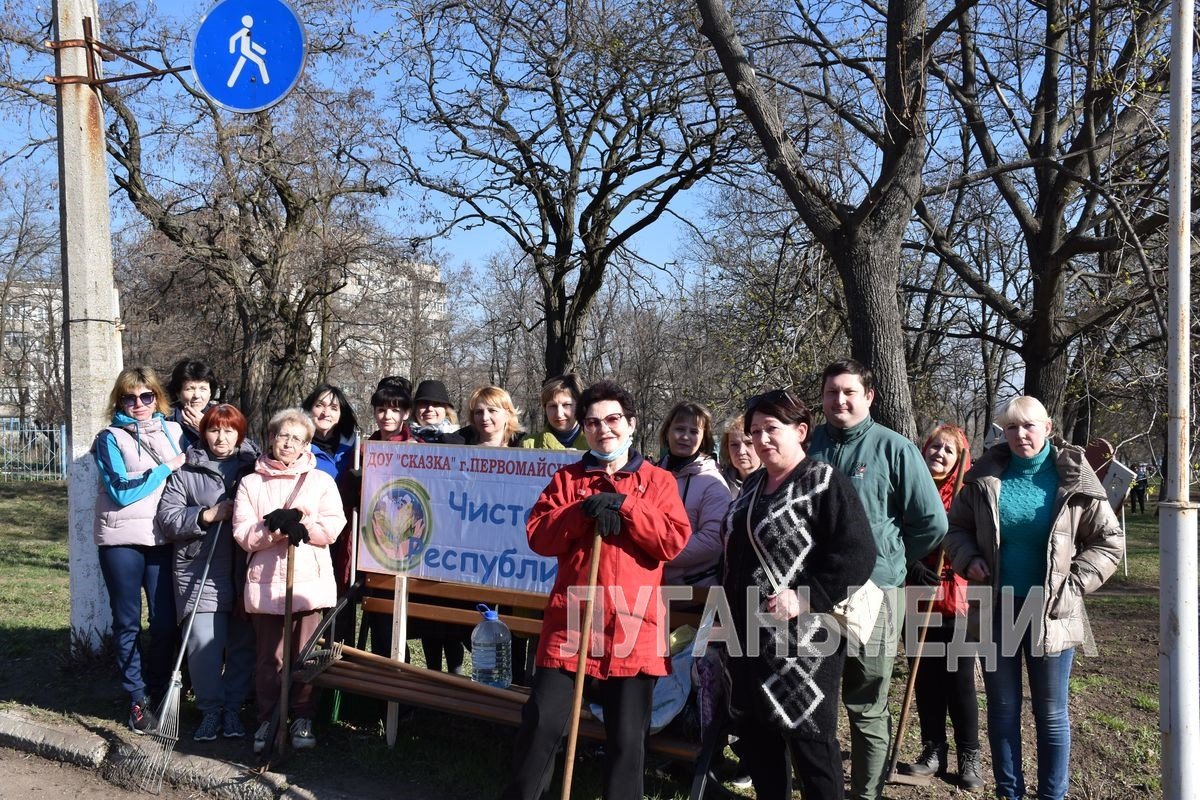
(32, 454)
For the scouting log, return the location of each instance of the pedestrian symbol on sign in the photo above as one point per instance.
(250, 51)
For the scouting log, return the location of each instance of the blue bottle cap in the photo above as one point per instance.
(487, 612)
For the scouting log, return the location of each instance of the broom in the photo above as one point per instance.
(151, 763)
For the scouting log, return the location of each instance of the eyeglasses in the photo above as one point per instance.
(287, 438)
(593, 423)
(775, 397)
(131, 400)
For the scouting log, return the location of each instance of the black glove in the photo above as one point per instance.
(296, 532)
(280, 517)
(608, 523)
(920, 574)
(598, 503)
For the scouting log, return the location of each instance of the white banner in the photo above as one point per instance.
(455, 513)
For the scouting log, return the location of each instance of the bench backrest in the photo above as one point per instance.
(520, 611)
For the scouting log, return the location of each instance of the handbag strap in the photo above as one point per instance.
(295, 490)
(776, 583)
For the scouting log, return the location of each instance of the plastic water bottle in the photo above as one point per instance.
(491, 650)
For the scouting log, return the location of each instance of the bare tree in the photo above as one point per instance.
(31, 348)
(571, 127)
(853, 169)
(1066, 130)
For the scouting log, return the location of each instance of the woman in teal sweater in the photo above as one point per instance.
(1057, 540)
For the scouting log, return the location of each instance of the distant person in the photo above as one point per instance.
(495, 421)
(687, 437)
(192, 388)
(560, 401)
(738, 459)
(1034, 523)
(434, 420)
(946, 680)
(286, 502)
(196, 513)
(1141, 482)
(136, 454)
(907, 521)
(614, 492)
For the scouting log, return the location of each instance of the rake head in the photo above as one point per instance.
(154, 749)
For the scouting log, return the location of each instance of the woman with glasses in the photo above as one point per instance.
(797, 543)
(286, 501)
(136, 454)
(1034, 523)
(614, 492)
(687, 437)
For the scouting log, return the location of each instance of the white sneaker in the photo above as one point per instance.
(260, 737)
(302, 735)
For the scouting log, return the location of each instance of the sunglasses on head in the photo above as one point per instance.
(775, 397)
(131, 400)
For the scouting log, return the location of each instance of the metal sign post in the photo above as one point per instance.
(1178, 662)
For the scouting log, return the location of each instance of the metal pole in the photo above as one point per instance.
(93, 346)
(1179, 655)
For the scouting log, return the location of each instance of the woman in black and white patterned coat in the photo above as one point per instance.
(797, 542)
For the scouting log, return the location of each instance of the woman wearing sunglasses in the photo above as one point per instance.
(136, 454)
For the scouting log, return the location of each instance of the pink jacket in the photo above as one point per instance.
(706, 498)
(260, 493)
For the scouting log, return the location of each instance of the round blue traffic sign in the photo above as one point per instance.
(248, 54)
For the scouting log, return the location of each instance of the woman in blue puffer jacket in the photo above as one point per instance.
(135, 456)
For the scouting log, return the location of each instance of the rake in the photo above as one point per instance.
(149, 766)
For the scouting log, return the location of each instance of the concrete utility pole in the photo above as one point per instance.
(93, 343)
(1178, 664)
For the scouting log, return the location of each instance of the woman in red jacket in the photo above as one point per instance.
(635, 507)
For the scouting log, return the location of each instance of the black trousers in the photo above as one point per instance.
(544, 721)
(947, 685)
(817, 763)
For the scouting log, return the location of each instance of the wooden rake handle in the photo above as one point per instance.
(585, 638)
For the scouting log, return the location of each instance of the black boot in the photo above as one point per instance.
(932, 760)
(970, 775)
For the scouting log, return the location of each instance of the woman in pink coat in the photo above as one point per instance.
(687, 438)
(264, 524)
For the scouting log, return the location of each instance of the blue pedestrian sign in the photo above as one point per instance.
(248, 54)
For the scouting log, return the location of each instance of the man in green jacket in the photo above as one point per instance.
(907, 520)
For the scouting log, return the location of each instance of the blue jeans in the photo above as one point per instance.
(130, 570)
(1048, 678)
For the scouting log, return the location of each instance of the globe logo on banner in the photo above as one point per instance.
(399, 525)
(248, 54)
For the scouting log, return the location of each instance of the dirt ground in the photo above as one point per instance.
(33, 778)
(1115, 752)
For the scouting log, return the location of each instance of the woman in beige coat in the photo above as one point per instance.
(1033, 522)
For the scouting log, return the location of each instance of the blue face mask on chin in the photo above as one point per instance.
(614, 455)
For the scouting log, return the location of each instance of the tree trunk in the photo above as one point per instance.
(869, 269)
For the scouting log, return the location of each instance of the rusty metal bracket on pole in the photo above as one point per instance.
(107, 53)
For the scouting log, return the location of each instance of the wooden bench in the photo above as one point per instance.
(376, 676)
